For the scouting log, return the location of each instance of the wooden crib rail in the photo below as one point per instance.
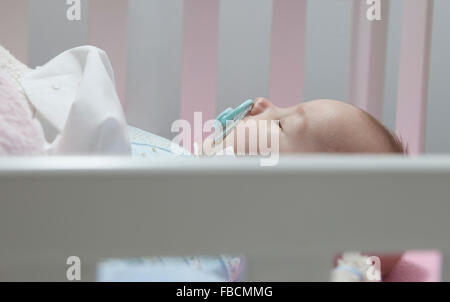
(288, 220)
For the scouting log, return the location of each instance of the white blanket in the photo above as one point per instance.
(76, 101)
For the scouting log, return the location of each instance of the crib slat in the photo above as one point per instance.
(108, 31)
(199, 67)
(14, 27)
(288, 51)
(368, 59)
(414, 72)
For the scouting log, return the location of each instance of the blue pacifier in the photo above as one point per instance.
(229, 118)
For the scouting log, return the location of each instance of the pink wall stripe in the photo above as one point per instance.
(199, 67)
(287, 52)
(414, 72)
(368, 59)
(14, 27)
(108, 31)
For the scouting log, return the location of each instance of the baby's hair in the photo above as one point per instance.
(395, 142)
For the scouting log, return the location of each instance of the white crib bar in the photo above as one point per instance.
(14, 27)
(414, 73)
(288, 220)
(287, 52)
(108, 31)
(368, 59)
(199, 67)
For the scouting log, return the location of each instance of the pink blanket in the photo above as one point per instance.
(417, 266)
(20, 134)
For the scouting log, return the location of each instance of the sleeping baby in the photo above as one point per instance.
(320, 126)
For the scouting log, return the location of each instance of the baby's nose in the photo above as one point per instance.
(260, 105)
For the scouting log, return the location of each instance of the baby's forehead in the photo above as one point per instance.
(345, 128)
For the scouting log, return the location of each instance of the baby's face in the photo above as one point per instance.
(315, 126)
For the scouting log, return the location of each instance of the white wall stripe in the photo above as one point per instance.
(50, 32)
(328, 41)
(154, 64)
(244, 51)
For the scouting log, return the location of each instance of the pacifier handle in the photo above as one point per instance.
(230, 113)
(234, 115)
(224, 115)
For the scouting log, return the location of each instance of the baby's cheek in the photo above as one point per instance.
(287, 146)
(295, 144)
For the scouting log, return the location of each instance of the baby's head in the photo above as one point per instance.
(321, 126)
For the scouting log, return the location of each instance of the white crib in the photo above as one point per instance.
(288, 220)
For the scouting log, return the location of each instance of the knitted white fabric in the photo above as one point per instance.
(20, 132)
(12, 68)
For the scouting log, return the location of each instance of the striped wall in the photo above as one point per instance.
(172, 58)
